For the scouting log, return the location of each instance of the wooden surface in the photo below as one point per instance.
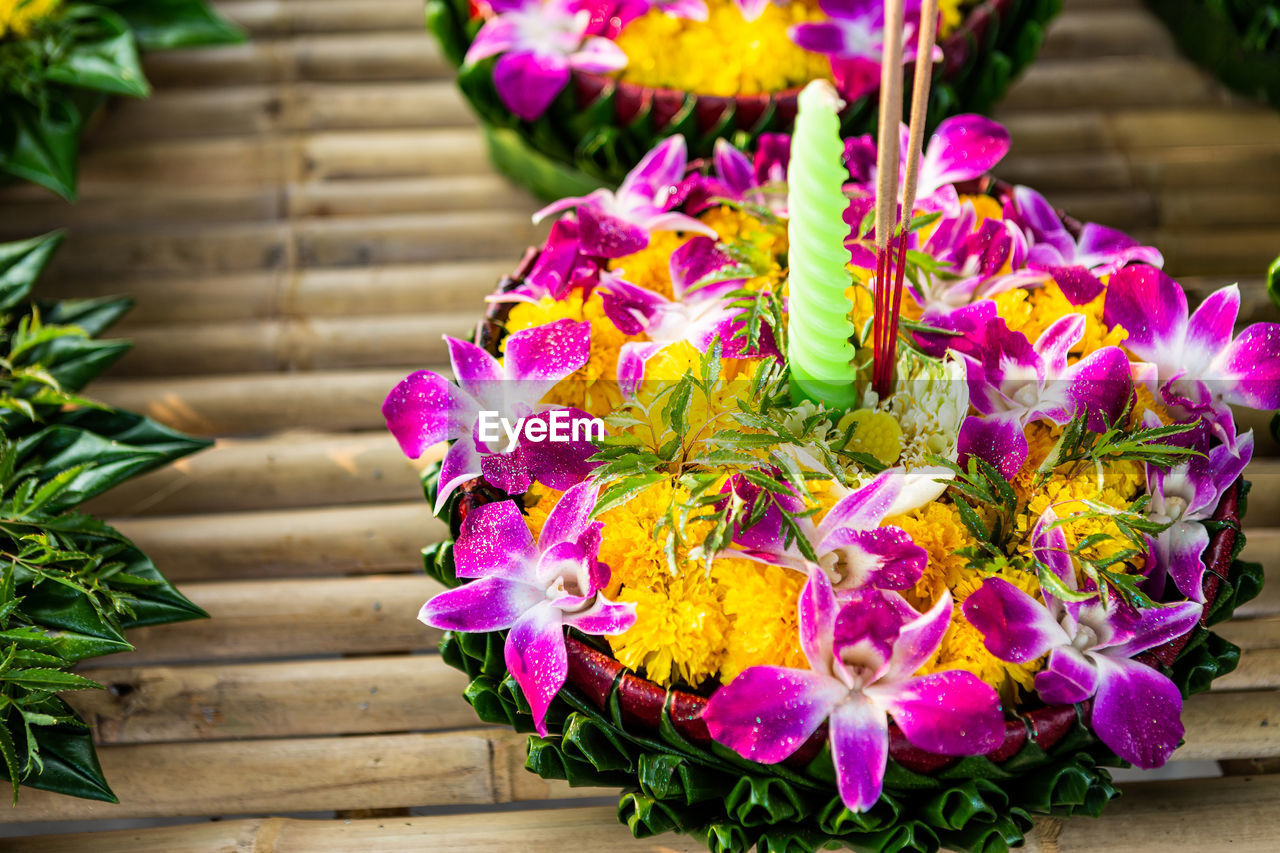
(301, 218)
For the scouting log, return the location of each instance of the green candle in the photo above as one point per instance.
(818, 326)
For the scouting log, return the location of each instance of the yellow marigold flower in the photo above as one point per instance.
(937, 528)
(650, 267)
(19, 17)
(1116, 485)
(1033, 311)
(962, 646)
(761, 602)
(594, 387)
(952, 16)
(723, 55)
(680, 629)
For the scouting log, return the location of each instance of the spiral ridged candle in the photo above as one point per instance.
(818, 326)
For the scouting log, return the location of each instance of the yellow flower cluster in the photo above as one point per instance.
(1033, 311)
(692, 625)
(594, 387)
(937, 528)
(724, 55)
(18, 17)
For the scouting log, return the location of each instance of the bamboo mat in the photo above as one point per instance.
(300, 218)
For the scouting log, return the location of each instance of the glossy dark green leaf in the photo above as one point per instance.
(44, 143)
(95, 316)
(167, 24)
(21, 264)
(108, 63)
(70, 764)
(156, 600)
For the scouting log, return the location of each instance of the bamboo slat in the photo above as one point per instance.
(303, 698)
(288, 17)
(344, 57)
(1120, 82)
(257, 620)
(359, 291)
(346, 540)
(293, 344)
(1076, 34)
(1219, 814)
(239, 404)
(291, 108)
(466, 768)
(281, 472)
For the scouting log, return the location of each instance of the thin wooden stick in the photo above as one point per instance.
(915, 145)
(887, 154)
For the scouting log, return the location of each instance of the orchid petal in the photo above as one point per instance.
(604, 617)
(1014, 626)
(598, 56)
(733, 168)
(528, 82)
(536, 657)
(1076, 283)
(947, 713)
(650, 183)
(570, 517)
(536, 359)
(1180, 549)
(859, 737)
(1150, 306)
(1137, 712)
(1099, 385)
(694, 261)
(498, 35)
(817, 615)
(919, 638)
(1250, 368)
(462, 462)
(998, 440)
(768, 712)
(487, 604)
(494, 542)
(1069, 676)
(962, 148)
(1149, 627)
(417, 412)
(1056, 342)
(609, 236)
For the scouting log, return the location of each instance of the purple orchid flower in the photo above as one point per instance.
(1201, 366)
(1184, 497)
(615, 224)
(538, 44)
(963, 148)
(853, 39)
(1136, 710)
(1012, 383)
(738, 178)
(425, 409)
(862, 654)
(699, 314)
(853, 549)
(533, 589)
(1076, 263)
(561, 266)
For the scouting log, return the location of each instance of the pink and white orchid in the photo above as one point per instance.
(538, 43)
(425, 409)
(699, 314)
(854, 550)
(853, 38)
(615, 224)
(1076, 263)
(1090, 644)
(1184, 497)
(737, 177)
(863, 655)
(1201, 366)
(1012, 383)
(533, 589)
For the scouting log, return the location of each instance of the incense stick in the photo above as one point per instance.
(887, 154)
(915, 144)
(891, 240)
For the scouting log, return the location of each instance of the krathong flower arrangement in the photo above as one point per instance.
(573, 93)
(793, 597)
